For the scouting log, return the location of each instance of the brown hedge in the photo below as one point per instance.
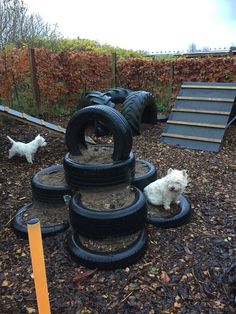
(65, 75)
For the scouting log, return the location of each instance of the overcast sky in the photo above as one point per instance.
(150, 25)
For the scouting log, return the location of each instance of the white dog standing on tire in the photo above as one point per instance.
(166, 190)
(26, 149)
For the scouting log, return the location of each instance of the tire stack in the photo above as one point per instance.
(103, 239)
(48, 190)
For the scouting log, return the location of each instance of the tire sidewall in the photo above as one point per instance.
(47, 192)
(107, 260)
(182, 217)
(98, 224)
(20, 227)
(111, 118)
(151, 175)
(80, 175)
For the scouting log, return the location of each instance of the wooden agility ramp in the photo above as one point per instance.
(25, 118)
(200, 116)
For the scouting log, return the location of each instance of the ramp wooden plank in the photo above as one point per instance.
(217, 126)
(209, 87)
(203, 111)
(209, 84)
(195, 138)
(230, 100)
(191, 144)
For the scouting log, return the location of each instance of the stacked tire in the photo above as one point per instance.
(96, 98)
(139, 107)
(145, 173)
(117, 94)
(89, 225)
(45, 194)
(136, 106)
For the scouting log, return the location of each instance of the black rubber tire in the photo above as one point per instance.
(139, 107)
(92, 98)
(118, 94)
(176, 220)
(100, 224)
(80, 175)
(49, 193)
(20, 227)
(151, 175)
(96, 98)
(107, 261)
(117, 124)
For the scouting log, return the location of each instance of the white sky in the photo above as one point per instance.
(150, 25)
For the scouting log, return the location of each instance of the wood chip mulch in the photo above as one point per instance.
(190, 269)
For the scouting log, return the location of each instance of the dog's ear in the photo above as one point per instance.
(185, 173)
(169, 170)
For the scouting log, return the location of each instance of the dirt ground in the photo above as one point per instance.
(190, 269)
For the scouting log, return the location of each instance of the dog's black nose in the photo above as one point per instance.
(172, 188)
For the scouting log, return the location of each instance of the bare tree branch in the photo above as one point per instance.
(18, 26)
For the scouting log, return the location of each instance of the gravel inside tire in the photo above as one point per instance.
(20, 226)
(182, 217)
(49, 185)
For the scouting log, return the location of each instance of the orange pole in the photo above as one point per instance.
(38, 264)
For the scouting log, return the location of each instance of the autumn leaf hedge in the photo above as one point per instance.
(65, 75)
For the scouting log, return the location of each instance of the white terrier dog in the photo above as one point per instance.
(167, 189)
(28, 150)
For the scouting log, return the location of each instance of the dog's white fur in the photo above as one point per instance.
(26, 149)
(167, 189)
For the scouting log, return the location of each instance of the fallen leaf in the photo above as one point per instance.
(5, 283)
(82, 276)
(30, 310)
(177, 305)
(164, 277)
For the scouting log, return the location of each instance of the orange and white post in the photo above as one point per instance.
(38, 265)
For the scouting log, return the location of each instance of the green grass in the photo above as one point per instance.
(163, 103)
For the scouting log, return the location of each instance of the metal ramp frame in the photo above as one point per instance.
(200, 116)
